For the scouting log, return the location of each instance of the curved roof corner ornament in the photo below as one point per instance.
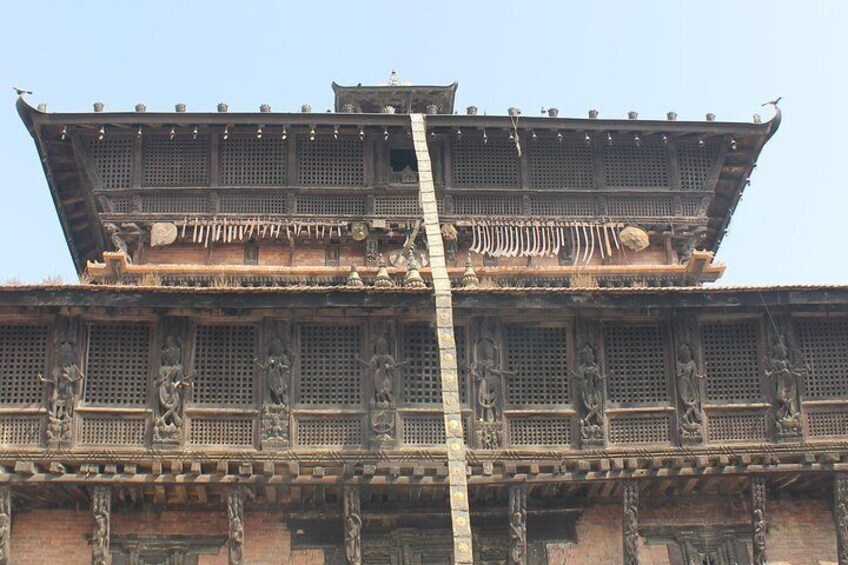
(774, 123)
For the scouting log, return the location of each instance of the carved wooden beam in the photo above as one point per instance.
(101, 508)
(352, 525)
(630, 523)
(840, 515)
(758, 519)
(5, 523)
(518, 525)
(235, 515)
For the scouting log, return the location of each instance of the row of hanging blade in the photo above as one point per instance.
(226, 230)
(516, 238)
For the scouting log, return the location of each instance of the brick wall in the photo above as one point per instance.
(801, 532)
(43, 537)
(598, 539)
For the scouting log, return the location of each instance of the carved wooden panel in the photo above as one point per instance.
(827, 423)
(397, 206)
(248, 161)
(626, 165)
(423, 430)
(323, 432)
(640, 429)
(331, 205)
(117, 366)
(636, 363)
(174, 203)
(640, 207)
(487, 205)
(690, 206)
(540, 431)
(824, 343)
(223, 363)
(538, 357)
(421, 375)
(20, 431)
(181, 161)
(23, 356)
(695, 163)
(330, 370)
(112, 157)
(330, 162)
(493, 165)
(211, 431)
(737, 427)
(732, 361)
(555, 165)
(563, 205)
(253, 203)
(112, 431)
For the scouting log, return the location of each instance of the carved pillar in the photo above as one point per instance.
(784, 371)
(64, 383)
(689, 379)
(235, 515)
(5, 523)
(840, 515)
(630, 523)
(758, 519)
(517, 525)
(275, 369)
(352, 525)
(591, 382)
(101, 507)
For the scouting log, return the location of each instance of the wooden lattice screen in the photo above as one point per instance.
(117, 367)
(626, 165)
(539, 360)
(181, 161)
(112, 156)
(223, 363)
(695, 163)
(23, 355)
(248, 161)
(493, 165)
(540, 431)
(559, 166)
(320, 432)
(636, 363)
(422, 381)
(424, 430)
(330, 162)
(732, 361)
(330, 370)
(335, 205)
(824, 343)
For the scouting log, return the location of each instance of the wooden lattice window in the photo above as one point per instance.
(330, 162)
(248, 161)
(181, 161)
(422, 379)
(112, 157)
(117, 366)
(695, 163)
(331, 205)
(174, 203)
(541, 431)
(330, 370)
(461, 362)
(121, 205)
(556, 166)
(636, 363)
(112, 431)
(691, 206)
(732, 361)
(23, 355)
(827, 423)
(321, 432)
(626, 165)
(487, 205)
(424, 430)
(824, 343)
(235, 432)
(538, 357)
(20, 431)
(493, 165)
(253, 203)
(640, 429)
(640, 207)
(223, 362)
(737, 427)
(397, 206)
(565, 205)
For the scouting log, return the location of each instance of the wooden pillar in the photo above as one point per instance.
(101, 508)
(517, 525)
(630, 523)
(352, 525)
(5, 523)
(235, 515)
(758, 519)
(840, 515)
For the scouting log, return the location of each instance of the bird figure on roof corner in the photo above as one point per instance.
(774, 102)
(21, 91)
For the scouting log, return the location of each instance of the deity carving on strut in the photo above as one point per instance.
(171, 385)
(64, 384)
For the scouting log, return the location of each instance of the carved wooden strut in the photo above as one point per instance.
(630, 524)
(517, 525)
(101, 505)
(235, 514)
(758, 519)
(352, 525)
(840, 515)
(5, 523)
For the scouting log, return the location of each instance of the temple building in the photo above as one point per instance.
(397, 333)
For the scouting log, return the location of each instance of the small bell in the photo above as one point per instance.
(101, 133)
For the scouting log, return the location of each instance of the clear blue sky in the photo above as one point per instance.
(724, 57)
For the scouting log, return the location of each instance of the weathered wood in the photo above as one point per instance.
(101, 508)
(235, 516)
(630, 523)
(352, 517)
(840, 515)
(759, 523)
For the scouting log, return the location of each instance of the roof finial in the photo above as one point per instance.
(394, 79)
